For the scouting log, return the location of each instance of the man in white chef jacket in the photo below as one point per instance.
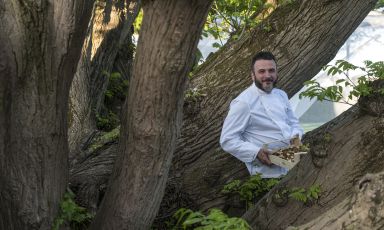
(261, 114)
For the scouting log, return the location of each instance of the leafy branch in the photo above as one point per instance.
(228, 19)
(370, 72)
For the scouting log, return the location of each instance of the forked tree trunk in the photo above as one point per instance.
(40, 46)
(200, 168)
(168, 38)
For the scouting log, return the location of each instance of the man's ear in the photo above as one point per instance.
(252, 76)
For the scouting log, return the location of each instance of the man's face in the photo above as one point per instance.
(265, 74)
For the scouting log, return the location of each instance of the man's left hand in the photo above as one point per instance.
(295, 140)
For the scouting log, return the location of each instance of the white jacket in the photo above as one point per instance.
(255, 118)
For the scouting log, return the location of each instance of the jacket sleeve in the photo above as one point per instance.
(293, 122)
(231, 139)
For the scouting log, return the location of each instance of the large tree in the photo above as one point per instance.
(40, 47)
(42, 43)
(304, 35)
(168, 39)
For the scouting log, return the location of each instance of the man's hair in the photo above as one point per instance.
(262, 55)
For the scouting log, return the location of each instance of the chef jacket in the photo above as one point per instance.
(255, 118)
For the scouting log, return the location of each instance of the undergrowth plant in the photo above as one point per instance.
(305, 195)
(248, 190)
(108, 121)
(107, 118)
(117, 87)
(71, 214)
(214, 220)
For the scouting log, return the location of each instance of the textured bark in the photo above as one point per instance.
(89, 175)
(304, 36)
(341, 153)
(200, 168)
(168, 39)
(40, 46)
(362, 210)
(108, 33)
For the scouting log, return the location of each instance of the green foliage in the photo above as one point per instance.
(228, 19)
(117, 87)
(115, 93)
(197, 61)
(371, 71)
(193, 95)
(327, 137)
(107, 122)
(267, 28)
(215, 220)
(232, 186)
(253, 187)
(71, 214)
(298, 194)
(304, 148)
(303, 195)
(379, 4)
(138, 21)
(107, 137)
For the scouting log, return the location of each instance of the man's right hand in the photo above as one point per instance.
(263, 156)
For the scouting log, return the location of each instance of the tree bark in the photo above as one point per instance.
(304, 36)
(341, 153)
(168, 39)
(40, 46)
(108, 32)
(200, 168)
(361, 210)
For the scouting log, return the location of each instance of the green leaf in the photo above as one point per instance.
(309, 82)
(191, 221)
(181, 214)
(216, 45)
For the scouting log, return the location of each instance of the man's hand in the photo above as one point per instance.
(263, 156)
(295, 140)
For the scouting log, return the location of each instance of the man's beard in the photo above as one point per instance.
(259, 84)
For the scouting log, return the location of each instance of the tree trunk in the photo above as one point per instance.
(200, 168)
(40, 46)
(304, 36)
(361, 210)
(108, 32)
(168, 39)
(341, 153)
